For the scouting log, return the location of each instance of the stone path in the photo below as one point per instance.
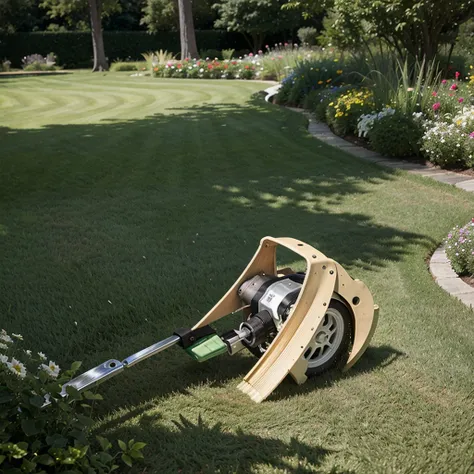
(440, 267)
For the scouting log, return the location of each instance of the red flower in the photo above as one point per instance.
(453, 87)
(434, 94)
(209, 66)
(179, 66)
(444, 81)
(436, 106)
(226, 66)
(234, 63)
(460, 100)
(247, 67)
(457, 74)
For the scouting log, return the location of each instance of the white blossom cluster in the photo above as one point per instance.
(366, 121)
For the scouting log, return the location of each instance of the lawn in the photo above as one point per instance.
(129, 205)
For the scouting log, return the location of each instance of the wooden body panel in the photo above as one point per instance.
(285, 355)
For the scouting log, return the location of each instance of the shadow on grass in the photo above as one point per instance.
(201, 447)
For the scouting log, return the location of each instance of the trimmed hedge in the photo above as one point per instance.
(74, 49)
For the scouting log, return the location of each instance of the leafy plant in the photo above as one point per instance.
(227, 54)
(5, 65)
(396, 135)
(317, 101)
(343, 113)
(307, 35)
(155, 58)
(128, 66)
(36, 62)
(459, 246)
(42, 432)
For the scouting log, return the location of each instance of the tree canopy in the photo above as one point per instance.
(255, 18)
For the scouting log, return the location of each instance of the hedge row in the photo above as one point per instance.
(74, 49)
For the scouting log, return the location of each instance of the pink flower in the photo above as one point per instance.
(453, 87)
(266, 46)
(250, 55)
(286, 44)
(472, 136)
(260, 51)
(460, 100)
(444, 81)
(436, 106)
(457, 74)
(434, 94)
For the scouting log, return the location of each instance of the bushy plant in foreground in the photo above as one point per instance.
(56, 438)
(450, 143)
(396, 135)
(446, 144)
(343, 113)
(460, 249)
(128, 66)
(36, 62)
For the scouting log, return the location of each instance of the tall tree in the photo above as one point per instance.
(187, 35)
(83, 9)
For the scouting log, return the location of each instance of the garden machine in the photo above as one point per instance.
(301, 324)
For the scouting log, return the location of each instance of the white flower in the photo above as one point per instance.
(17, 368)
(3, 358)
(41, 356)
(17, 336)
(51, 369)
(4, 336)
(28, 352)
(3, 346)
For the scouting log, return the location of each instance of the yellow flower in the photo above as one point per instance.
(331, 104)
(320, 82)
(339, 71)
(329, 80)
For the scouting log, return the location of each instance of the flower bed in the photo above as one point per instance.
(434, 116)
(460, 249)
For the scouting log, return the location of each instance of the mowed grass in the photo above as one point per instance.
(128, 206)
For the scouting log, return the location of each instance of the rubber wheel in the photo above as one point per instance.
(331, 343)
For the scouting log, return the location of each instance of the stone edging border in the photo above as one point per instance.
(448, 279)
(439, 265)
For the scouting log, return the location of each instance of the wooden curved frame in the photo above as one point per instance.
(285, 355)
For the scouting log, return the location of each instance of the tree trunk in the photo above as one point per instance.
(186, 30)
(100, 61)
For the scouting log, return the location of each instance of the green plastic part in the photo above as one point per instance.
(207, 348)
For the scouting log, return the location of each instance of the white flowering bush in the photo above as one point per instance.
(366, 121)
(42, 432)
(465, 120)
(460, 248)
(447, 145)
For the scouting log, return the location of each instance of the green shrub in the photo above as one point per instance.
(5, 65)
(396, 135)
(46, 439)
(308, 35)
(317, 101)
(344, 111)
(128, 66)
(228, 53)
(210, 53)
(37, 66)
(459, 246)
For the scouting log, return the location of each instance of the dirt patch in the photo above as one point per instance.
(469, 279)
